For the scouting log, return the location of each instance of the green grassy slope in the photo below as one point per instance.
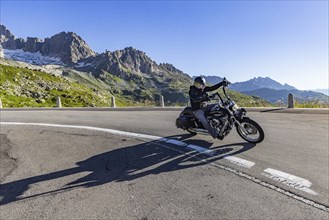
(23, 87)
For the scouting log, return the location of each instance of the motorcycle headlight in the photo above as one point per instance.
(235, 107)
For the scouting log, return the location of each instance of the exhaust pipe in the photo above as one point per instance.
(201, 131)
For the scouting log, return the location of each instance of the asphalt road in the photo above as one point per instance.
(70, 173)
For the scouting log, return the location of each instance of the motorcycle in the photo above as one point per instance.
(223, 115)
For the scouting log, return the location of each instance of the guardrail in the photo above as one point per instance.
(113, 104)
(162, 107)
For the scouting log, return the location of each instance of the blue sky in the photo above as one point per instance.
(284, 40)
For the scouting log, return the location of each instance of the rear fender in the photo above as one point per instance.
(184, 122)
(187, 112)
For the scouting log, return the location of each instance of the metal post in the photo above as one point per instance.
(113, 102)
(58, 102)
(291, 101)
(162, 101)
(0, 103)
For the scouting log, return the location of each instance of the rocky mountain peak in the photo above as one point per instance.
(135, 60)
(8, 40)
(130, 52)
(5, 34)
(68, 46)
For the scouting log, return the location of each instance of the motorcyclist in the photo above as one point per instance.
(199, 98)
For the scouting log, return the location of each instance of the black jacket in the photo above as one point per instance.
(199, 96)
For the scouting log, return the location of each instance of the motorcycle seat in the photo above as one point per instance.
(188, 110)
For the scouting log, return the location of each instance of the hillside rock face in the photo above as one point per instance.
(8, 40)
(138, 75)
(67, 46)
(5, 34)
(130, 63)
(33, 45)
(13, 44)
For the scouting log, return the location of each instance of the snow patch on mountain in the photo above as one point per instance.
(33, 58)
(1, 52)
(83, 64)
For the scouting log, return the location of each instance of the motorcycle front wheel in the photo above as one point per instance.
(250, 131)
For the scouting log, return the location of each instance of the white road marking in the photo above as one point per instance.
(209, 152)
(122, 133)
(240, 162)
(290, 180)
(270, 173)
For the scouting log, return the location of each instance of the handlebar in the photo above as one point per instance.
(219, 96)
(227, 82)
(225, 93)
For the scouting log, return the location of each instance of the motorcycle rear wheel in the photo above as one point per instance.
(250, 131)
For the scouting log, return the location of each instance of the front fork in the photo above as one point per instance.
(239, 117)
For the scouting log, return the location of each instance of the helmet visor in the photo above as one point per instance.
(199, 85)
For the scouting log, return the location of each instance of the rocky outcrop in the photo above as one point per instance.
(68, 46)
(8, 40)
(33, 45)
(134, 60)
(13, 44)
(122, 63)
(5, 34)
(143, 77)
(129, 63)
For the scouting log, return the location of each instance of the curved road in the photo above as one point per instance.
(285, 176)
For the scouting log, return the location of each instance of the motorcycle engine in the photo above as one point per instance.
(215, 122)
(220, 123)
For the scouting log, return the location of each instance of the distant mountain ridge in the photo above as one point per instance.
(270, 90)
(252, 84)
(275, 92)
(281, 96)
(259, 83)
(323, 91)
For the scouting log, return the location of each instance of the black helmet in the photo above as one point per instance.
(200, 82)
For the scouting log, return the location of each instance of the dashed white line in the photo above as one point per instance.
(290, 180)
(199, 149)
(284, 178)
(240, 162)
(122, 133)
